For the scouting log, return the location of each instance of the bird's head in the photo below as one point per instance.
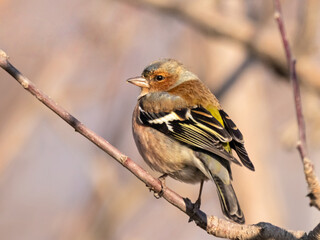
(161, 76)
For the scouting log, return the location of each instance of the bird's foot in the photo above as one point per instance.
(195, 208)
(162, 180)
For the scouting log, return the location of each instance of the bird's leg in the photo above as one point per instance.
(196, 205)
(162, 180)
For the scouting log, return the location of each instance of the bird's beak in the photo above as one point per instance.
(139, 81)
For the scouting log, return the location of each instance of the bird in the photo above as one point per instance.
(182, 131)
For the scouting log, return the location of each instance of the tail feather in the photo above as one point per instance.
(228, 201)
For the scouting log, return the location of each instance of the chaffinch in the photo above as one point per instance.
(181, 130)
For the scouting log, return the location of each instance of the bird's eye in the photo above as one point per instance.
(159, 77)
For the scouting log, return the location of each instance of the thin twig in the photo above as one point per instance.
(312, 181)
(213, 225)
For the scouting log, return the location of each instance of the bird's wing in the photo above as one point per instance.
(238, 143)
(231, 127)
(195, 127)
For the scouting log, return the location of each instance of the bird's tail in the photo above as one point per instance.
(228, 201)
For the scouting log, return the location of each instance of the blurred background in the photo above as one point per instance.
(54, 184)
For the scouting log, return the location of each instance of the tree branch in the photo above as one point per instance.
(311, 178)
(213, 225)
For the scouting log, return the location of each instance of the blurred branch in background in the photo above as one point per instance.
(262, 45)
(234, 77)
(308, 20)
(212, 224)
(95, 32)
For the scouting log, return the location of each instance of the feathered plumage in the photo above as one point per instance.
(180, 129)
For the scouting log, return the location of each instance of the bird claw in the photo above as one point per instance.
(156, 194)
(195, 209)
(159, 194)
